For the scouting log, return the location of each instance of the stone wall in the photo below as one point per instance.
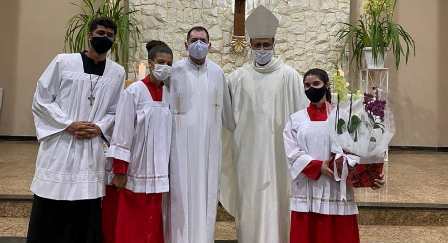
(305, 38)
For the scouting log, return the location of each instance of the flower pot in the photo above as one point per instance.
(369, 60)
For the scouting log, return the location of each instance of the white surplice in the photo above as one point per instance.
(198, 94)
(142, 137)
(254, 181)
(68, 168)
(307, 140)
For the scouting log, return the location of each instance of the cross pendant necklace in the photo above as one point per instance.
(91, 97)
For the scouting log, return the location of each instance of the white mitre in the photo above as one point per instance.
(261, 23)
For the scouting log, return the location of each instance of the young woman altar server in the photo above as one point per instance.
(140, 148)
(319, 214)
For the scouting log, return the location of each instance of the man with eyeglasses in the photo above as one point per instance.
(74, 112)
(255, 182)
(199, 96)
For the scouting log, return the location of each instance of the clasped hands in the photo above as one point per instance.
(83, 130)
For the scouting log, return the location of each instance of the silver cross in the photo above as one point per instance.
(91, 99)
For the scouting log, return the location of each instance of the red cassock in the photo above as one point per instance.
(130, 217)
(320, 228)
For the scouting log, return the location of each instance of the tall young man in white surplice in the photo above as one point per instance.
(74, 111)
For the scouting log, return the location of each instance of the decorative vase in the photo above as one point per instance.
(370, 61)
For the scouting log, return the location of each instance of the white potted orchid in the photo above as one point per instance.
(361, 127)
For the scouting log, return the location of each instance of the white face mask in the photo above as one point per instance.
(161, 72)
(198, 49)
(262, 57)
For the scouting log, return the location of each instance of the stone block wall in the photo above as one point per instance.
(305, 38)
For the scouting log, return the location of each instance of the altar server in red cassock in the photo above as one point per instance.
(319, 212)
(140, 150)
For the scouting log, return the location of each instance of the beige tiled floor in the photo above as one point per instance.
(403, 234)
(226, 231)
(17, 161)
(412, 177)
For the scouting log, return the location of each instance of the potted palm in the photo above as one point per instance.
(375, 34)
(128, 28)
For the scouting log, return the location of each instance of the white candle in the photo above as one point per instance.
(141, 70)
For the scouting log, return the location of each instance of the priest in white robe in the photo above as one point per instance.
(199, 95)
(254, 180)
(74, 110)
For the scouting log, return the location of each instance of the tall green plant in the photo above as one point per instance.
(128, 27)
(376, 29)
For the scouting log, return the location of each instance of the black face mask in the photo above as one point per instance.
(315, 95)
(101, 44)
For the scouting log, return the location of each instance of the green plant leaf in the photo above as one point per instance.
(354, 124)
(379, 126)
(376, 29)
(341, 127)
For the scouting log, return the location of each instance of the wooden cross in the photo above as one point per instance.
(239, 18)
(239, 25)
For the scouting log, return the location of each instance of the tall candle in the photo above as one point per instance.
(141, 70)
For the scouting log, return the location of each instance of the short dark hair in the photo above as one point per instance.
(198, 28)
(322, 75)
(103, 21)
(155, 46)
